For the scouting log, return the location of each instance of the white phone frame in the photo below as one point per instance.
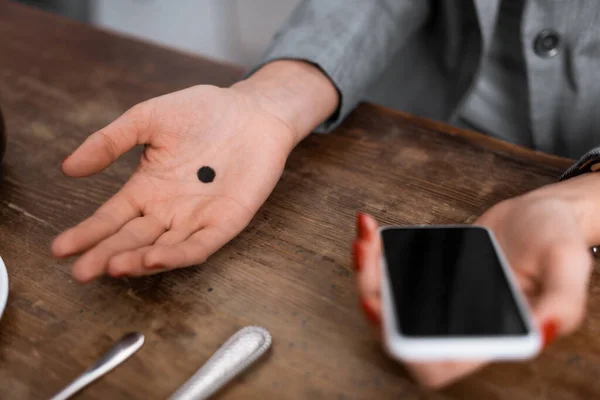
(457, 348)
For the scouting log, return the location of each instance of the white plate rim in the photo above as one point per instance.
(3, 286)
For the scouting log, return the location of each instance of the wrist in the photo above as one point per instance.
(581, 195)
(295, 92)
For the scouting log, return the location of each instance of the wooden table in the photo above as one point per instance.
(288, 271)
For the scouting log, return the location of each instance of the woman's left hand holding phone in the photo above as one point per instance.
(546, 236)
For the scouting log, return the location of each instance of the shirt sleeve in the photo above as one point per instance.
(351, 41)
(590, 162)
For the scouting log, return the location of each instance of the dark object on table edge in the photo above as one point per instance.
(2, 146)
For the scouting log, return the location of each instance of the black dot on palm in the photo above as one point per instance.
(206, 174)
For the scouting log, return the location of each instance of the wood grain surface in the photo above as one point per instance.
(289, 271)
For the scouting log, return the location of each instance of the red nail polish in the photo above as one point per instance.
(371, 315)
(549, 332)
(361, 226)
(357, 254)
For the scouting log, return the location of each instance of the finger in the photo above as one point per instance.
(367, 281)
(371, 308)
(131, 263)
(439, 374)
(107, 220)
(366, 227)
(560, 307)
(194, 250)
(528, 283)
(367, 255)
(194, 220)
(367, 252)
(103, 147)
(138, 232)
(368, 272)
(175, 236)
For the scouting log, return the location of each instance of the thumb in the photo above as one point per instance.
(103, 147)
(560, 308)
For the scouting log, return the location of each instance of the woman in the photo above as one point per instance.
(204, 174)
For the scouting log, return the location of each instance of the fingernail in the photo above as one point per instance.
(61, 256)
(114, 274)
(549, 332)
(357, 254)
(361, 226)
(371, 315)
(156, 266)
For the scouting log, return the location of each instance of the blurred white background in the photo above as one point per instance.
(235, 31)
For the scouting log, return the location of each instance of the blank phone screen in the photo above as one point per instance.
(449, 282)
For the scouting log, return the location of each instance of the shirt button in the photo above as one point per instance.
(546, 43)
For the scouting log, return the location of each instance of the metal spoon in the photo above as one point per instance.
(237, 354)
(121, 351)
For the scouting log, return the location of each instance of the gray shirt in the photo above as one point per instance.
(498, 103)
(424, 57)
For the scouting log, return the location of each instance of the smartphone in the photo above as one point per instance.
(448, 294)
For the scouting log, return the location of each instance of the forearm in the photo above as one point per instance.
(296, 92)
(351, 42)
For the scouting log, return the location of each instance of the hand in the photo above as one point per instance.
(545, 235)
(164, 217)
